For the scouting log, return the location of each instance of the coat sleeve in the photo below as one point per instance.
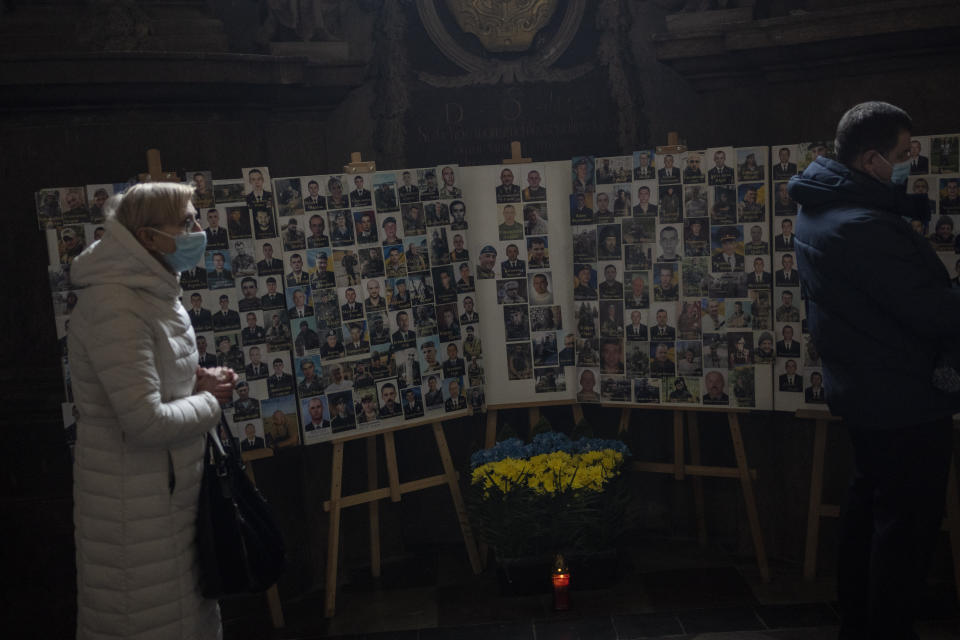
(892, 271)
(121, 351)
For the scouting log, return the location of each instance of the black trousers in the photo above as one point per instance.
(890, 525)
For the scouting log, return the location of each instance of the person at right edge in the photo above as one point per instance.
(886, 322)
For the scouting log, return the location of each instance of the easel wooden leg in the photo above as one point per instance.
(693, 430)
(491, 433)
(534, 418)
(816, 497)
(458, 503)
(751, 502)
(393, 473)
(333, 537)
(624, 425)
(373, 507)
(953, 522)
(273, 594)
(577, 413)
(678, 454)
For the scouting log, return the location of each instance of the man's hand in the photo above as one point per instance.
(219, 381)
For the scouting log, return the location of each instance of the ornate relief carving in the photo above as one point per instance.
(535, 67)
(503, 25)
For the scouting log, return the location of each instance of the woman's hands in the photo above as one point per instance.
(219, 381)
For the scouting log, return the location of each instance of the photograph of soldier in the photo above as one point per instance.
(408, 190)
(317, 237)
(714, 351)
(738, 314)
(379, 328)
(764, 353)
(314, 201)
(944, 154)
(719, 173)
(580, 210)
(412, 404)
(519, 361)
(255, 369)
(408, 368)
(750, 203)
(280, 383)
(534, 191)
(253, 332)
(788, 347)
(715, 389)
(671, 206)
(229, 190)
(611, 287)
(661, 330)
(326, 309)
(305, 339)
(368, 411)
(289, 197)
(695, 201)
(342, 411)
(689, 358)
(787, 275)
(272, 299)
(609, 242)
(638, 256)
(535, 219)
(644, 207)
(332, 346)
(696, 239)
(374, 300)
(743, 381)
(784, 241)
(692, 172)
(439, 247)
(341, 227)
(472, 346)
(459, 253)
(665, 283)
(226, 318)
(545, 351)
(611, 356)
(919, 163)
(219, 275)
(643, 165)
(668, 173)
(454, 400)
(696, 277)
(727, 249)
(638, 230)
(425, 319)
(398, 297)
(679, 391)
(416, 254)
(403, 336)
(546, 318)
(371, 263)
(646, 390)
(443, 284)
(787, 311)
(357, 342)
(815, 393)
(762, 308)
(585, 244)
(507, 191)
(384, 192)
(611, 319)
(688, 323)
(414, 222)
(749, 167)
(783, 169)
(588, 352)
(669, 242)
(421, 288)
(395, 262)
(202, 194)
(365, 224)
(757, 245)
(448, 325)
(537, 253)
(635, 330)
(790, 381)
(200, 318)
(583, 174)
(264, 226)
(487, 262)
(458, 213)
(622, 204)
(390, 237)
(539, 289)
(724, 209)
(585, 286)
(637, 295)
(637, 359)
(516, 322)
(783, 204)
(662, 359)
(739, 348)
(513, 266)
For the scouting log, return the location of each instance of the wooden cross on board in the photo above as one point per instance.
(516, 155)
(155, 173)
(356, 165)
(673, 144)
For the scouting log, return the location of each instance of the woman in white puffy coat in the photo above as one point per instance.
(144, 409)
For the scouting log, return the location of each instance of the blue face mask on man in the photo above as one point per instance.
(899, 171)
(190, 248)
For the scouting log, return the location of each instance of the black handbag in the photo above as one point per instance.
(240, 547)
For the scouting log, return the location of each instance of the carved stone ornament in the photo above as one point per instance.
(501, 24)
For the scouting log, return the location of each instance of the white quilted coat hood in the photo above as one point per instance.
(139, 448)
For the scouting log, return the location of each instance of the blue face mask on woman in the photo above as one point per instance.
(190, 248)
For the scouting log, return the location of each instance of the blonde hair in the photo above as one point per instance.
(150, 203)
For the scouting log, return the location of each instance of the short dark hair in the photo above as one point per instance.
(870, 125)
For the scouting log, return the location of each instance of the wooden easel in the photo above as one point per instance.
(155, 172)
(680, 470)
(394, 491)
(817, 509)
(273, 594)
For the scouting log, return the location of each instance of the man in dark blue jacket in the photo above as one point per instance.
(882, 315)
